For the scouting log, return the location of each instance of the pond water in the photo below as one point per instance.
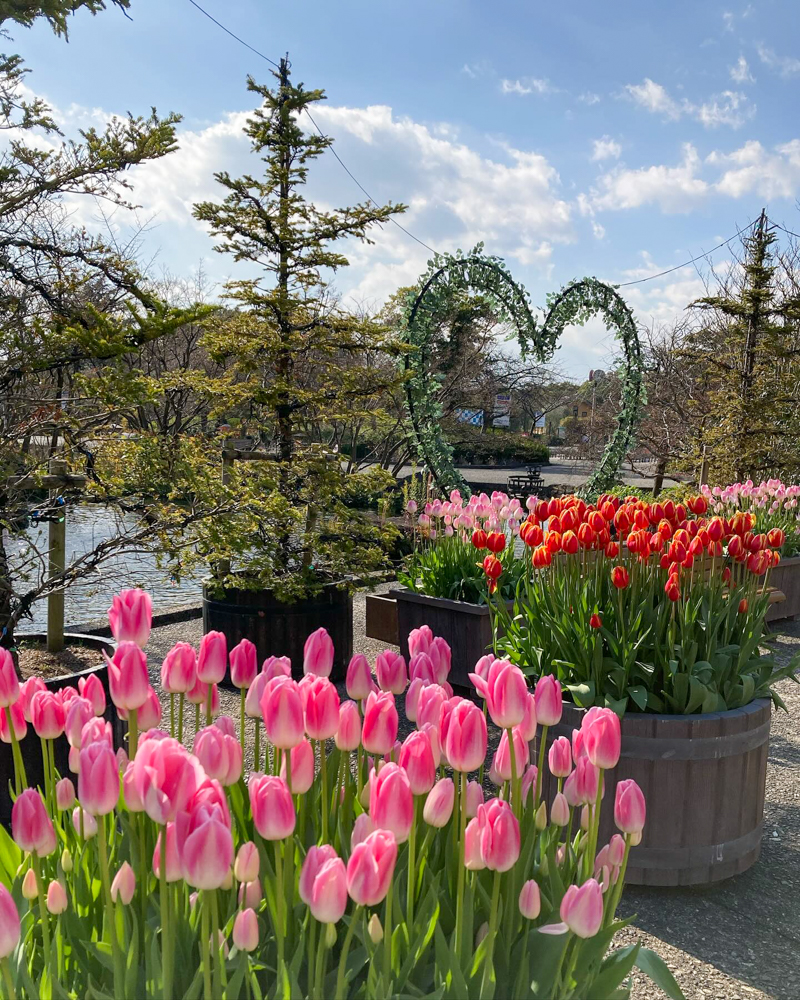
(89, 599)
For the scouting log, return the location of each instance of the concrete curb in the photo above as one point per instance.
(182, 614)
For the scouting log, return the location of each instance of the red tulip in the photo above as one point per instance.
(596, 621)
(743, 606)
(131, 617)
(776, 537)
(371, 867)
(496, 541)
(569, 542)
(212, 660)
(272, 806)
(492, 567)
(244, 664)
(620, 577)
(479, 538)
(31, 828)
(379, 730)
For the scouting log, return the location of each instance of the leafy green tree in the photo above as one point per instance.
(56, 12)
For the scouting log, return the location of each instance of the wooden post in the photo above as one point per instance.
(57, 546)
(703, 468)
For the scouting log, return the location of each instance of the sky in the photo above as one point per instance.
(572, 139)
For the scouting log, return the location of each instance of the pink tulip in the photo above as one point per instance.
(91, 688)
(245, 930)
(9, 923)
(67, 694)
(430, 700)
(359, 680)
(250, 894)
(252, 702)
(530, 903)
(17, 721)
(559, 757)
(26, 692)
(205, 846)
(323, 884)
(174, 869)
(602, 737)
(31, 828)
(247, 864)
(473, 859)
(302, 763)
(320, 701)
(96, 730)
(179, 669)
(465, 744)
(502, 758)
(505, 691)
(548, 701)
(438, 806)
(272, 806)
(98, 779)
(9, 682)
(528, 782)
(131, 617)
(380, 723)
(362, 828)
(629, 807)
(80, 712)
(220, 755)
(212, 661)
(47, 715)
(85, 824)
(276, 666)
(441, 657)
(318, 654)
(419, 640)
(474, 798)
(348, 734)
(149, 714)
(616, 850)
(371, 867)
(412, 698)
(483, 666)
(500, 839)
(391, 803)
(390, 669)
(420, 667)
(210, 793)
(244, 664)
(128, 680)
(165, 777)
(124, 884)
(282, 711)
(559, 811)
(417, 760)
(56, 898)
(65, 794)
(587, 781)
(226, 724)
(527, 727)
(582, 908)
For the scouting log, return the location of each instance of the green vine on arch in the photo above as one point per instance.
(447, 277)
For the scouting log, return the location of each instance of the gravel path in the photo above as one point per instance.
(737, 940)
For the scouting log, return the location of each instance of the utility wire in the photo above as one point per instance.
(229, 32)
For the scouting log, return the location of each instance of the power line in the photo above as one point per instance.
(788, 232)
(229, 32)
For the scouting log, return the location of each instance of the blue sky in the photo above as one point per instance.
(613, 139)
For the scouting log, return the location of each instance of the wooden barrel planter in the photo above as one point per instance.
(703, 778)
(30, 744)
(279, 629)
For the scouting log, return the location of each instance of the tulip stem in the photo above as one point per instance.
(242, 696)
(594, 828)
(340, 975)
(542, 748)
(257, 747)
(43, 915)
(615, 892)
(387, 942)
(319, 978)
(209, 704)
(133, 732)
(488, 969)
(220, 975)
(462, 825)
(166, 970)
(412, 843)
(312, 935)
(196, 719)
(20, 778)
(112, 924)
(359, 769)
(172, 714)
(279, 901)
(9, 983)
(180, 717)
(205, 948)
(323, 768)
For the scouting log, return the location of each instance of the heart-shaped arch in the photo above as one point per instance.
(450, 275)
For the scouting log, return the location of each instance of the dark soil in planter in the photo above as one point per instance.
(36, 661)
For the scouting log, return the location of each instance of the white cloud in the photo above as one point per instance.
(740, 72)
(673, 189)
(526, 85)
(590, 98)
(753, 169)
(606, 149)
(728, 108)
(786, 66)
(727, 20)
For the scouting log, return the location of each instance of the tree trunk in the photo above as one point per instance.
(658, 482)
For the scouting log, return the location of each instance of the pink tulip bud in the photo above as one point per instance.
(219, 754)
(65, 794)
(47, 715)
(323, 884)
(85, 824)
(205, 846)
(320, 701)
(616, 851)
(165, 777)
(31, 828)
(30, 890)
(371, 867)
(417, 760)
(9, 923)
(419, 640)
(26, 692)
(412, 698)
(245, 930)
(379, 730)
(272, 806)
(302, 764)
(318, 654)
(530, 903)
(475, 798)
(430, 700)
(98, 780)
(391, 803)
(131, 617)
(582, 908)
(91, 688)
(149, 714)
(348, 735)
(420, 667)
(282, 711)
(128, 680)
(439, 804)
(499, 835)
(179, 669)
(465, 742)
(587, 779)
(473, 859)
(559, 811)
(483, 666)
(528, 782)
(481, 933)
(586, 816)
(17, 712)
(602, 737)
(79, 712)
(212, 660)
(226, 724)
(502, 758)
(629, 807)
(9, 682)
(560, 757)
(124, 885)
(359, 680)
(244, 664)
(247, 863)
(362, 828)
(528, 725)
(390, 669)
(505, 691)
(56, 898)
(548, 701)
(250, 894)
(276, 666)
(571, 791)
(252, 703)
(441, 657)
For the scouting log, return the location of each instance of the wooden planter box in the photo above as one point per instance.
(785, 577)
(703, 778)
(30, 744)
